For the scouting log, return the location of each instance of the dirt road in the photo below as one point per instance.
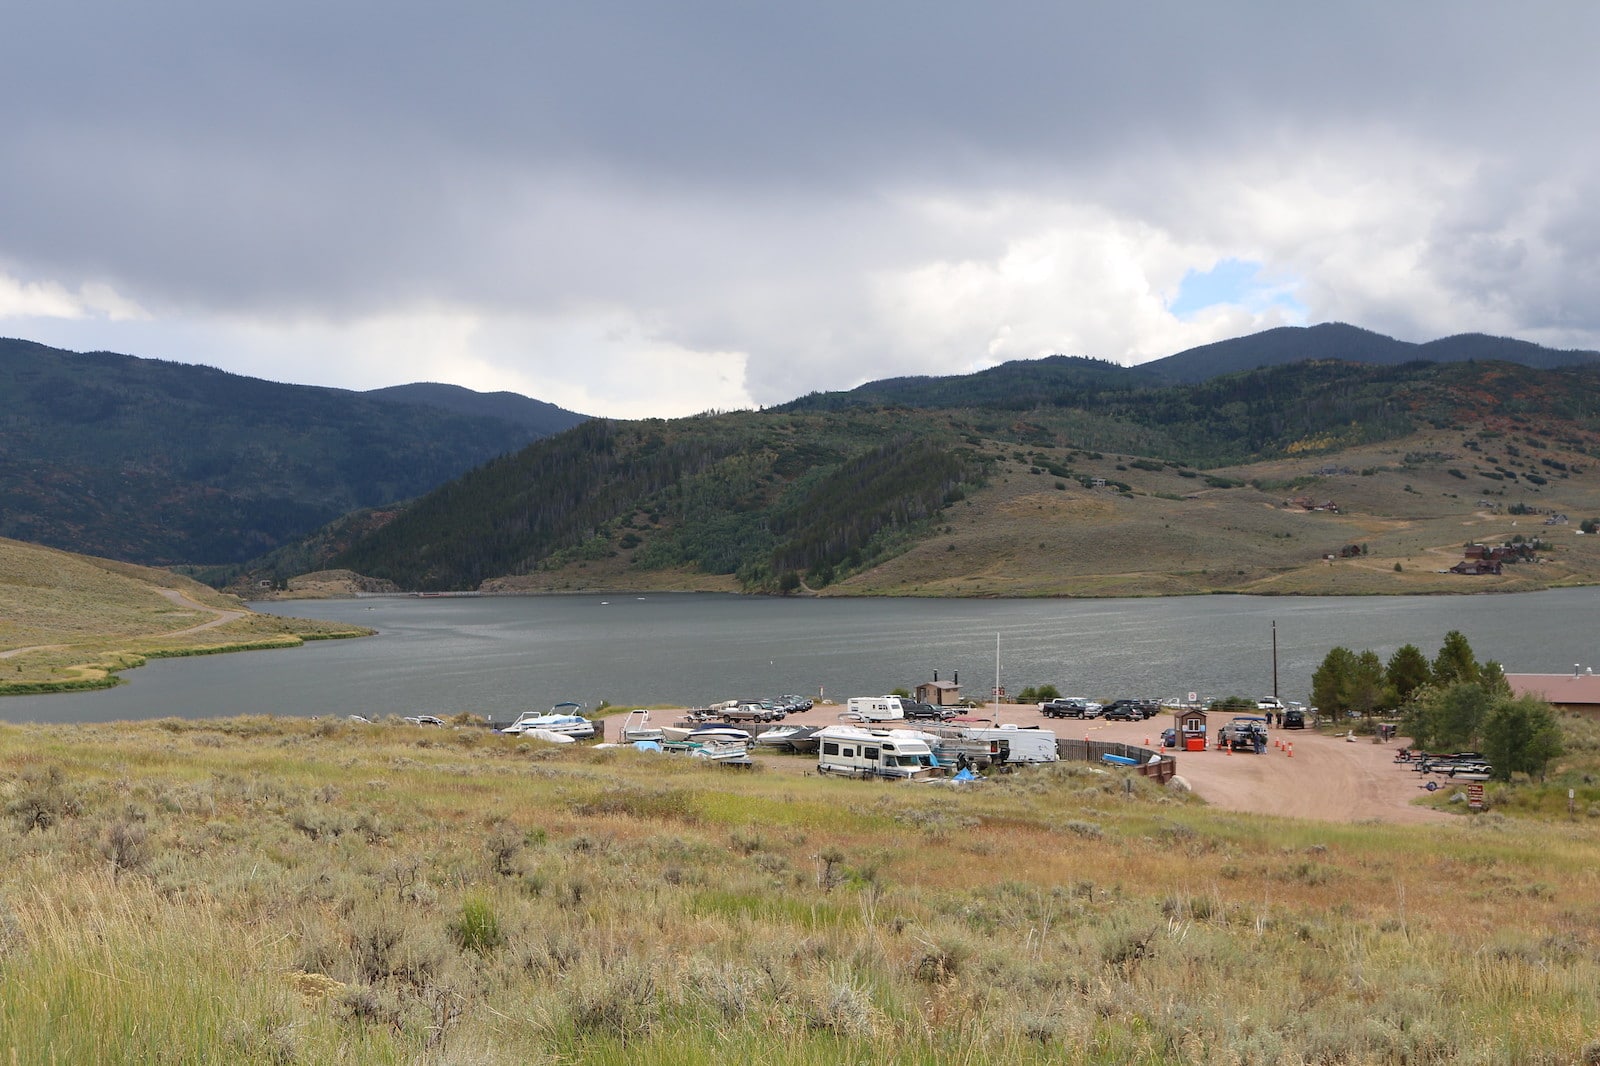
(1326, 779)
(219, 617)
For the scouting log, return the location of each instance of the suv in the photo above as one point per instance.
(1122, 711)
(1293, 718)
(1131, 710)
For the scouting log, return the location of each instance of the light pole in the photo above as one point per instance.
(1274, 658)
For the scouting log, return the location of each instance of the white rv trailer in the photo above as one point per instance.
(875, 709)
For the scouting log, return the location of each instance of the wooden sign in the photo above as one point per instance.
(1475, 796)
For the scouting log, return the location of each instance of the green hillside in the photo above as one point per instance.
(1145, 490)
(159, 462)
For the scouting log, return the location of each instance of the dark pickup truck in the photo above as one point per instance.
(1069, 708)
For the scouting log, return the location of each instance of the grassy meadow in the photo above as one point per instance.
(71, 622)
(298, 891)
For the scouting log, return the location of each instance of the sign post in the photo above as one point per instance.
(1475, 796)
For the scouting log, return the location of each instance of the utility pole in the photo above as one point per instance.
(1274, 658)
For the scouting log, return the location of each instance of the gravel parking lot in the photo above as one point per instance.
(1326, 779)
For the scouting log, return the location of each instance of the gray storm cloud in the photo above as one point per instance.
(700, 205)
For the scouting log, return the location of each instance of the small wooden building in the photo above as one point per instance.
(1190, 724)
(940, 693)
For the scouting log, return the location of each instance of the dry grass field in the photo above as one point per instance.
(295, 891)
(1032, 534)
(69, 621)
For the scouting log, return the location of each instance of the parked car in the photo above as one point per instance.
(1131, 710)
(927, 711)
(1122, 711)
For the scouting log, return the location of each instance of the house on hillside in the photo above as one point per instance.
(1576, 692)
(1476, 566)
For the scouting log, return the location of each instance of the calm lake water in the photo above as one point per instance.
(502, 655)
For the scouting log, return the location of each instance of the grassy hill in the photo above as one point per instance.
(1180, 489)
(71, 622)
(274, 891)
(159, 462)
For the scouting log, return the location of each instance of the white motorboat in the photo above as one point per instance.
(637, 727)
(562, 718)
(548, 736)
(720, 750)
(778, 736)
(716, 731)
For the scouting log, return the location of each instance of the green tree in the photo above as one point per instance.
(1492, 676)
(1331, 683)
(1408, 671)
(1450, 717)
(1455, 662)
(1521, 736)
(1364, 688)
(1048, 692)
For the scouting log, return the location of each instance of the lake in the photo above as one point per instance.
(498, 656)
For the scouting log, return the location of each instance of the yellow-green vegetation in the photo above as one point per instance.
(282, 891)
(1161, 528)
(1174, 532)
(72, 622)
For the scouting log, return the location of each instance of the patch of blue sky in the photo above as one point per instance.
(1236, 283)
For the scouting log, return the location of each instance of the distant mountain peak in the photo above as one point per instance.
(1342, 341)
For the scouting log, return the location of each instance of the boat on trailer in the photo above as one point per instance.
(636, 726)
(563, 718)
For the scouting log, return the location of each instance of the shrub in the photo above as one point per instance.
(477, 928)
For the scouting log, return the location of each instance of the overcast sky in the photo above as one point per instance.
(636, 209)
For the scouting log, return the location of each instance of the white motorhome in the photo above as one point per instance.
(856, 752)
(875, 709)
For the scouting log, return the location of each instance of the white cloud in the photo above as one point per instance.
(50, 299)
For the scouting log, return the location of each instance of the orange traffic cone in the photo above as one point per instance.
(1291, 749)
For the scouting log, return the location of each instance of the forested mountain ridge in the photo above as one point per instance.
(543, 419)
(766, 497)
(1071, 380)
(1351, 344)
(159, 462)
(817, 498)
